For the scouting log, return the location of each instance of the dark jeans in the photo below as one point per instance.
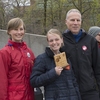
(90, 95)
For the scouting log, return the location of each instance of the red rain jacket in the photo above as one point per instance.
(16, 62)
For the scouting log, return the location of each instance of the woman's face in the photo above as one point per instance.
(55, 42)
(98, 37)
(17, 34)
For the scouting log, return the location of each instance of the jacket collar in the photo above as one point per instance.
(67, 33)
(50, 53)
(16, 44)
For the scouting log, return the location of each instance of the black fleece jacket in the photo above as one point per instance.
(85, 60)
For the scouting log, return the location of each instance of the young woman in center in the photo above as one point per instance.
(59, 83)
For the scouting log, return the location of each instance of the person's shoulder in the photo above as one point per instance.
(65, 32)
(86, 34)
(30, 50)
(91, 37)
(5, 49)
(42, 56)
(25, 44)
(27, 47)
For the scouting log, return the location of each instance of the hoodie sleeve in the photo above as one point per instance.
(40, 75)
(3, 76)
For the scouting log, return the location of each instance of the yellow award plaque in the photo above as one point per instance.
(61, 60)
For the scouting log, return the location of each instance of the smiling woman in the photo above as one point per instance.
(58, 81)
(16, 62)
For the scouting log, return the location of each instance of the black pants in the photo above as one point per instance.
(90, 95)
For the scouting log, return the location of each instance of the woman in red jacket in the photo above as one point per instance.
(16, 61)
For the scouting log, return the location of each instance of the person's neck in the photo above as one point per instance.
(75, 33)
(77, 36)
(56, 52)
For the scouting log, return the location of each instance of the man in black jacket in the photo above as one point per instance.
(82, 50)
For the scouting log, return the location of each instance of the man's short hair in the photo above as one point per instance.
(72, 10)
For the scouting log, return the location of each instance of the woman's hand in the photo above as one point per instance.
(58, 70)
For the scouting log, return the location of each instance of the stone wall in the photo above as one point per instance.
(36, 42)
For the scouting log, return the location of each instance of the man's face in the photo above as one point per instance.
(73, 22)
